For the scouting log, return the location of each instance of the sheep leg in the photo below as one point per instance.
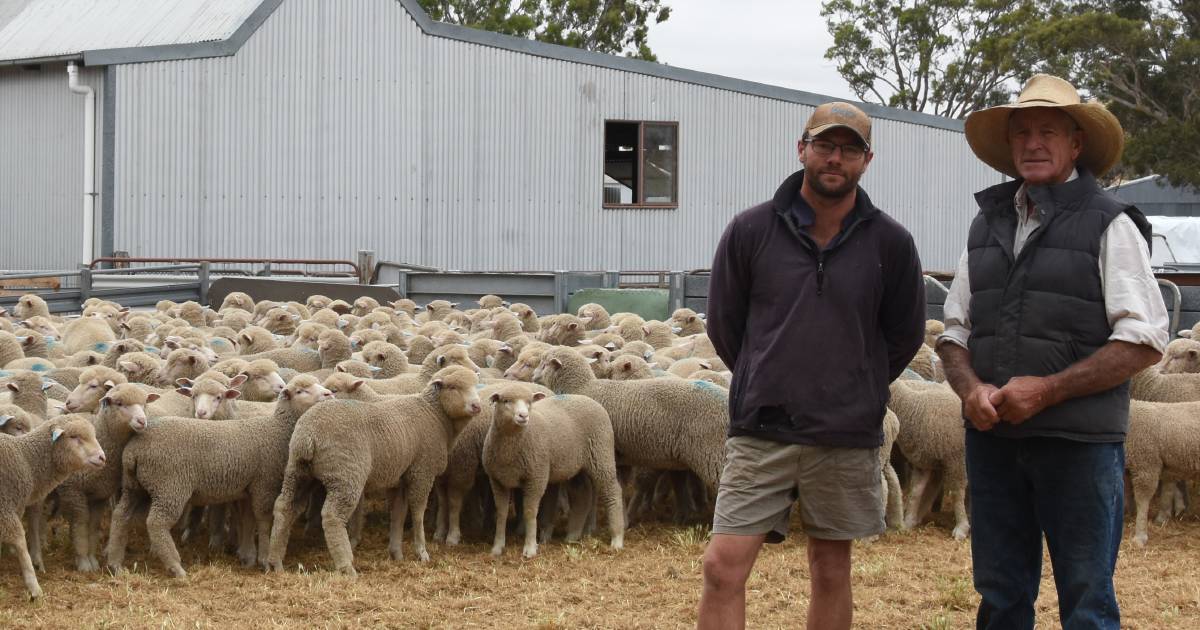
(75, 509)
(287, 509)
(920, 478)
(895, 497)
(1145, 482)
(418, 499)
(340, 502)
(95, 513)
(501, 496)
(443, 510)
(163, 514)
(247, 551)
(398, 515)
(261, 506)
(534, 488)
(215, 520)
(358, 519)
(118, 530)
(454, 504)
(548, 509)
(610, 497)
(316, 501)
(932, 498)
(582, 498)
(33, 535)
(1180, 502)
(13, 533)
(957, 482)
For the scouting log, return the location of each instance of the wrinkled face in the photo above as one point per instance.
(546, 371)
(1181, 355)
(305, 394)
(26, 307)
(264, 381)
(42, 326)
(833, 176)
(184, 363)
(458, 395)
(345, 386)
(86, 396)
(527, 363)
(14, 422)
(76, 440)
(279, 320)
(1045, 143)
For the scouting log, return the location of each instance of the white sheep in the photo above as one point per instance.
(175, 462)
(398, 446)
(535, 441)
(1163, 443)
(31, 466)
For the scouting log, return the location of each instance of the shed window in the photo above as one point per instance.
(641, 164)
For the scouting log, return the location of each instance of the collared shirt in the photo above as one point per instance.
(1132, 301)
(806, 217)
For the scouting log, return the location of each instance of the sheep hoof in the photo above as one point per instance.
(961, 532)
(1140, 540)
(39, 565)
(529, 551)
(396, 554)
(423, 556)
(349, 572)
(115, 569)
(618, 543)
(177, 572)
(453, 539)
(86, 565)
(497, 551)
(247, 560)
(35, 592)
(439, 537)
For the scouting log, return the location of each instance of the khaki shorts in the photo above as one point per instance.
(840, 490)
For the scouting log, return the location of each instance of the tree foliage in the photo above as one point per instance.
(944, 57)
(1142, 59)
(609, 26)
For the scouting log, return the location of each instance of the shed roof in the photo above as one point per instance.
(110, 32)
(47, 29)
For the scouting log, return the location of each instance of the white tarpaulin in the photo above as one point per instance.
(1182, 236)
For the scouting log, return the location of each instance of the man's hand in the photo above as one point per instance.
(1022, 398)
(979, 409)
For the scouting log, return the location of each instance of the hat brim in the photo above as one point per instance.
(1104, 139)
(816, 131)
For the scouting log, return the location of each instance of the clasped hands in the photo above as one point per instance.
(1019, 400)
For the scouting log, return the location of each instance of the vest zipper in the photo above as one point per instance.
(820, 273)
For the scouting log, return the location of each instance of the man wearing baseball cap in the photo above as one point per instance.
(1052, 310)
(817, 300)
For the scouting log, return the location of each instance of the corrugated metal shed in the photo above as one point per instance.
(52, 28)
(1153, 195)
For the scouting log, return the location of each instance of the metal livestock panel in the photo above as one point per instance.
(41, 166)
(341, 126)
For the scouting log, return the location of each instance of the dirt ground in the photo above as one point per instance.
(917, 579)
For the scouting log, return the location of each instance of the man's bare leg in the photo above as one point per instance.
(727, 564)
(831, 605)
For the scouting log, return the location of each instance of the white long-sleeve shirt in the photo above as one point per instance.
(1132, 301)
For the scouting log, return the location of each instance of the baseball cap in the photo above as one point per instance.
(839, 114)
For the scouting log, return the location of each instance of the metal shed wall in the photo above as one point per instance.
(41, 166)
(341, 126)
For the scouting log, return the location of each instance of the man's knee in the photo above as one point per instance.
(727, 566)
(829, 563)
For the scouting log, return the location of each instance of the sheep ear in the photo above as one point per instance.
(232, 393)
(495, 397)
(441, 361)
(339, 369)
(152, 397)
(626, 366)
(184, 382)
(556, 363)
(437, 383)
(124, 326)
(584, 342)
(592, 360)
(647, 355)
(504, 303)
(691, 319)
(573, 326)
(356, 384)
(454, 305)
(109, 385)
(184, 390)
(646, 330)
(238, 380)
(55, 434)
(104, 402)
(538, 396)
(246, 337)
(130, 366)
(610, 346)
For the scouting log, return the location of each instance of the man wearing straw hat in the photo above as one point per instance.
(1053, 309)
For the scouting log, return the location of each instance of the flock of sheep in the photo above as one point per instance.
(241, 421)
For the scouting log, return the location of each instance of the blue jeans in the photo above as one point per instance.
(1073, 492)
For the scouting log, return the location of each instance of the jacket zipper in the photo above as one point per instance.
(820, 272)
(821, 253)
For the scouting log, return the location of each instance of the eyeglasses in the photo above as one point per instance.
(850, 152)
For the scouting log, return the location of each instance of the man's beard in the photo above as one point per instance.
(848, 186)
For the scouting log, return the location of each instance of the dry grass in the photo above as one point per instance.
(918, 579)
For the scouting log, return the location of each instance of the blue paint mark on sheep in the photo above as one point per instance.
(560, 397)
(152, 349)
(711, 389)
(40, 367)
(100, 347)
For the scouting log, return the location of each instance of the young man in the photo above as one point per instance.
(1052, 309)
(818, 301)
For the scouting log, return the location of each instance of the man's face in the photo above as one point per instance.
(1045, 143)
(833, 176)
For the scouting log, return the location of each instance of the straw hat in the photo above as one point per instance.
(987, 129)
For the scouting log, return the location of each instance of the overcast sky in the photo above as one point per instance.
(778, 42)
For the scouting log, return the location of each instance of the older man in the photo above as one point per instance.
(1052, 310)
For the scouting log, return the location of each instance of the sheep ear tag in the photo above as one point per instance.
(55, 434)
(4, 420)
(46, 386)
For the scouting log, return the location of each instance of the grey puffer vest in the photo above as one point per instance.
(1040, 312)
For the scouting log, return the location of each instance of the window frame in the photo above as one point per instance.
(641, 156)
